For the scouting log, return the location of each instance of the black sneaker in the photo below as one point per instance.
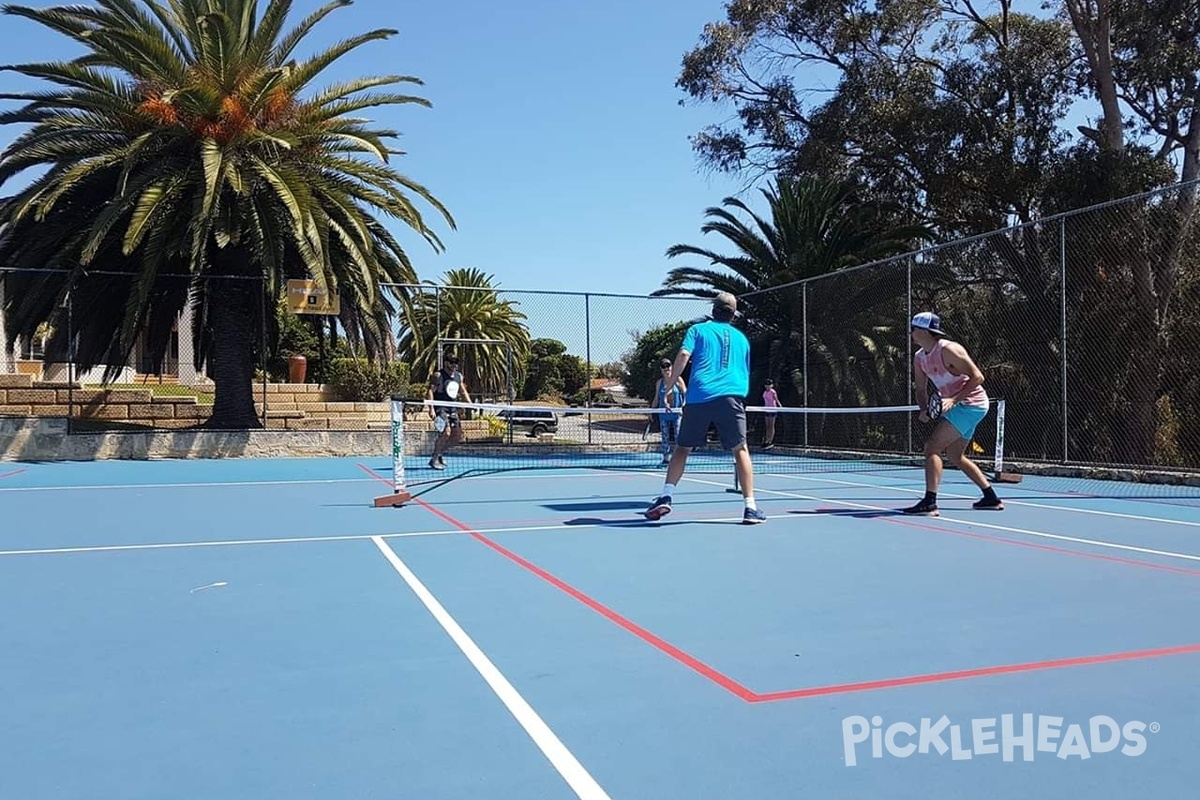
(435, 464)
(992, 503)
(659, 508)
(924, 507)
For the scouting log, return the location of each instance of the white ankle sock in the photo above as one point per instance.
(668, 489)
(750, 503)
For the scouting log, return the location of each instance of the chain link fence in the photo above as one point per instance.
(74, 353)
(1087, 324)
(542, 347)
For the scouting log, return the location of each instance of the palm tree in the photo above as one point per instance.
(190, 160)
(813, 228)
(468, 306)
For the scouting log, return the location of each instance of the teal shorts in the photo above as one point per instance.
(965, 418)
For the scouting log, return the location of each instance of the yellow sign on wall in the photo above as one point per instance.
(306, 297)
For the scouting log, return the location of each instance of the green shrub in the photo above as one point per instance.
(359, 381)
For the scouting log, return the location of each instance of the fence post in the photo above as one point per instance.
(6, 358)
(262, 343)
(804, 338)
(1062, 300)
(70, 361)
(908, 347)
(587, 334)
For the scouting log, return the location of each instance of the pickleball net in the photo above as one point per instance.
(499, 438)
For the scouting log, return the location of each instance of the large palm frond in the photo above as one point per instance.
(186, 141)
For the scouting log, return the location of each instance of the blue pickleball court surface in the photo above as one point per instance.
(256, 629)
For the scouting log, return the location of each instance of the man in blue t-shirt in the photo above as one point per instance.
(719, 383)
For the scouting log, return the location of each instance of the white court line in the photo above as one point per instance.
(578, 778)
(302, 482)
(67, 487)
(110, 548)
(117, 548)
(971, 523)
(1097, 512)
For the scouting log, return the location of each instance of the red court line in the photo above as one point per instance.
(1036, 546)
(693, 663)
(1005, 669)
(664, 646)
(750, 696)
(10, 474)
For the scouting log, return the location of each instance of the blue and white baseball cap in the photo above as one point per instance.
(929, 321)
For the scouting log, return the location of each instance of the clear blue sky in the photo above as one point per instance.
(556, 137)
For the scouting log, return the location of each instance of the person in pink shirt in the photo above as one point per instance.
(959, 381)
(770, 400)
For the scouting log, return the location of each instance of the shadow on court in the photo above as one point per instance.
(638, 522)
(847, 512)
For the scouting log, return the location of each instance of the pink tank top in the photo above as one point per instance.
(948, 383)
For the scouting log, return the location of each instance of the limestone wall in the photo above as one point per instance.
(47, 439)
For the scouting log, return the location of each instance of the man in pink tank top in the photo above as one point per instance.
(949, 367)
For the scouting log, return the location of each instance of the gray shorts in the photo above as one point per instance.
(726, 413)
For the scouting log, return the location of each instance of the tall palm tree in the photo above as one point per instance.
(468, 306)
(189, 151)
(812, 228)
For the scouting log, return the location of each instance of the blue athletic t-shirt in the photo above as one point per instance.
(720, 361)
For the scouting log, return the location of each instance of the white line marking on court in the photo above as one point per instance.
(301, 482)
(971, 523)
(110, 548)
(1097, 512)
(578, 778)
(109, 486)
(216, 585)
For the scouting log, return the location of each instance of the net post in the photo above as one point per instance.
(399, 495)
(998, 473)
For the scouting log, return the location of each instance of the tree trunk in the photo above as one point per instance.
(1191, 146)
(1136, 445)
(1093, 26)
(234, 313)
